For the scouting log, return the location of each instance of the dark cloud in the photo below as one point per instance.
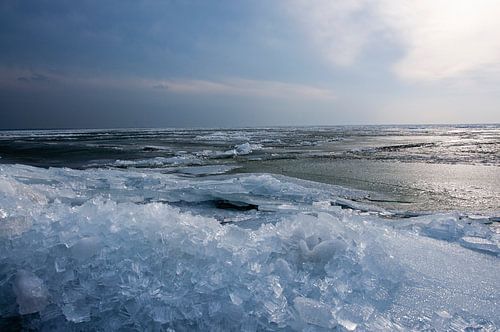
(161, 86)
(34, 78)
(116, 63)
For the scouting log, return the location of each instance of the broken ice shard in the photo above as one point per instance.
(31, 294)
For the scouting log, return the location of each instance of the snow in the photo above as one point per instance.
(109, 249)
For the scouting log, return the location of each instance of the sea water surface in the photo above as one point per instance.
(309, 228)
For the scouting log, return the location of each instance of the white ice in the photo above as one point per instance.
(110, 249)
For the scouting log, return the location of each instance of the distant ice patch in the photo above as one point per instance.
(244, 149)
(219, 136)
(160, 161)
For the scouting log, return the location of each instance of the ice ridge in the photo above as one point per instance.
(86, 249)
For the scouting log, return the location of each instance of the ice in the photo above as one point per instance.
(246, 148)
(85, 248)
(160, 161)
(76, 313)
(220, 136)
(206, 170)
(466, 231)
(314, 312)
(194, 158)
(323, 250)
(31, 295)
(112, 249)
(480, 244)
(443, 228)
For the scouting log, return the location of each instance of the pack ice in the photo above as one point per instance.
(110, 250)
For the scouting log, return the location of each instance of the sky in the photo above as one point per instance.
(238, 63)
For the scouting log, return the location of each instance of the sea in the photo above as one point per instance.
(343, 228)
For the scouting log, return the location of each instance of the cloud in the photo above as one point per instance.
(34, 78)
(160, 86)
(445, 39)
(439, 39)
(17, 79)
(334, 27)
(244, 87)
(28, 79)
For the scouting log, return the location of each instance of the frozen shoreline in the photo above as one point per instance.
(108, 248)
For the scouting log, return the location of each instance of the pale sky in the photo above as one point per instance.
(76, 64)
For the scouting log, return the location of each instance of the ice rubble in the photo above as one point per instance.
(245, 148)
(159, 161)
(219, 136)
(106, 249)
(182, 158)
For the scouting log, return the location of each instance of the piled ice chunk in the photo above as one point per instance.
(466, 231)
(31, 295)
(205, 157)
(246, 148)
(105, 249)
